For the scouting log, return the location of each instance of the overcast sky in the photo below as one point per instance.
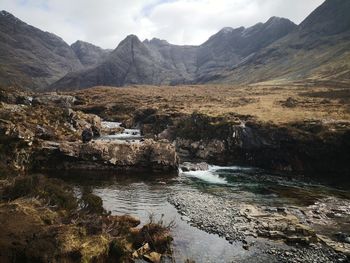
(107, 22)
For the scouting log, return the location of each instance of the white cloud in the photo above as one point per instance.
(107, 22)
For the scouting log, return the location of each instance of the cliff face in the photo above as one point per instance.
(309, 147)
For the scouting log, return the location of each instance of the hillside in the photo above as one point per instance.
(32, 58)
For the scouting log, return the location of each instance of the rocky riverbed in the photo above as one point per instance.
(248, 223)
(301, 227)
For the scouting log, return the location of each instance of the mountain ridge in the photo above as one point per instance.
(277, 50)
(158, 62)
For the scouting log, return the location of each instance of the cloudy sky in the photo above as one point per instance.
(107, 22)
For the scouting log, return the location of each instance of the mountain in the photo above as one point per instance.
(318, 50)
(89, 54)
(132, 62)
(159, 63)
(231, 46)
(276, 51)
(30, 57)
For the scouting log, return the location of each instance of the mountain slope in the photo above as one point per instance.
(231, 46)
(158, 62)
(318, 50)
(30, 57)
(89, 54)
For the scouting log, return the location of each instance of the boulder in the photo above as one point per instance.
(44, 133)
(186, 166)
(95, 131)
(87, 135)
(153, 257)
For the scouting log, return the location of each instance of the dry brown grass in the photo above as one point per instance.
(263, 102)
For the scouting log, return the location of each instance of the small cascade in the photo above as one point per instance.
(125, 135)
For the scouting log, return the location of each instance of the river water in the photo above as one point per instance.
(144, 194)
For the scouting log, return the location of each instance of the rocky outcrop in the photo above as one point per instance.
(210, 151)
(65, 101)
(46, 134)
(106, 155)
(310, 147)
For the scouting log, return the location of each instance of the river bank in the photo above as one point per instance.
(45, 220)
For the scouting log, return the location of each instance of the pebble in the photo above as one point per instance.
(186, 218)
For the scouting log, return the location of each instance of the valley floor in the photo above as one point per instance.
(268, 103)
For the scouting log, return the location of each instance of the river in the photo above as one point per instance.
(144, 194)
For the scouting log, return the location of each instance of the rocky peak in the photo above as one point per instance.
(80, 43)
(89, 54)
(132, 37)
(226, 30)
(158, 42)
(128, 46)
(244, 40)
(275, 19)
(6, 15)
(230, 30)
(8, 22)
(278, 23)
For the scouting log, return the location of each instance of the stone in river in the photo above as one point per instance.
(86, 135)
(186, 167)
